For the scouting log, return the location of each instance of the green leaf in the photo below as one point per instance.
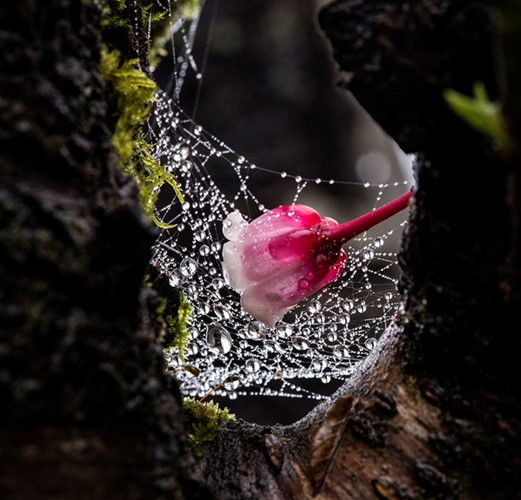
(479, 112)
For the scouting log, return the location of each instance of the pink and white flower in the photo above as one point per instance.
(288, 254)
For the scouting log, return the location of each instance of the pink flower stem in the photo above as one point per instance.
(348, 230)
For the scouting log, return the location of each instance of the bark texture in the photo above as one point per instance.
(433, 413)
(85, 407)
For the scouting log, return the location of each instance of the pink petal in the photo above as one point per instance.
(270, 299)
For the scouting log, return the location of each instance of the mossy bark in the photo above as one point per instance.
(85, 406)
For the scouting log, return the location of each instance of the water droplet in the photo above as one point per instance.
(318, 180)
(218, 339)
(298, 179)
(370, 343)
(378, 242)
(231, 383)
(314, 306)
(192, 349)
(361, 308)
(255, 330)
(340, 352)
(199, 236)
(188, 267)
(221, 312)
(253, 365)
(303, 284)
(300, 343)
(366, 184)
(348, 305)
(284, 330)
(215, 246)
(174, 279)
(325, 379)
(204, 250)
(283, 175)
(332, 337)
(180, 227)
(198, 130)
(388, 296)
(217, 283)
(368, 254)
(316, 365)
(344, 319)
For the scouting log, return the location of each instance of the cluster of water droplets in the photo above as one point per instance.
(228, 351)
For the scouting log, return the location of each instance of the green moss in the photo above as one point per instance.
(205, 420)
(133, 95)
(177, 330)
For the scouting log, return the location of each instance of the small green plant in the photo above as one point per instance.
(205, 420)
(479, 112)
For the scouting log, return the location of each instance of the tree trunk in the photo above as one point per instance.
(86, 409)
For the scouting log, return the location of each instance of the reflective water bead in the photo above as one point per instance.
(180, 227)
(344, 319)
(199, 236)
(232, 383)
(378, 242)
(283, 174)
(252, 365)
(174, 279)
(218, 339)
(368, 254)
(204, 250)
(388, 296)
(284, 330)
(298, 179)
(255, 330)
(303, 284)
(300, 343)
(221, 312)
(362, 307)
(188, 267)
(370, 343)
(325, 379)
(340, 352)
(215, 246)
(314, 306)
(348, 305)
(217, 283)
(332, 337)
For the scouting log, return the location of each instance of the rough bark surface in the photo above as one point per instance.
(86, 410)
(433, 413)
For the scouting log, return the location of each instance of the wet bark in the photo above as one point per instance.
(86, 409)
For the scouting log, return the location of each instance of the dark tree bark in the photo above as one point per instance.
(86, 409)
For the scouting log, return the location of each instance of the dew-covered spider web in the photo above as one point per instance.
(322, 339)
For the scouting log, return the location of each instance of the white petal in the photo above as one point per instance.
(266, 311)
(233, 225)
(232, 267)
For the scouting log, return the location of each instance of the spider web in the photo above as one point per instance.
(320, 341)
